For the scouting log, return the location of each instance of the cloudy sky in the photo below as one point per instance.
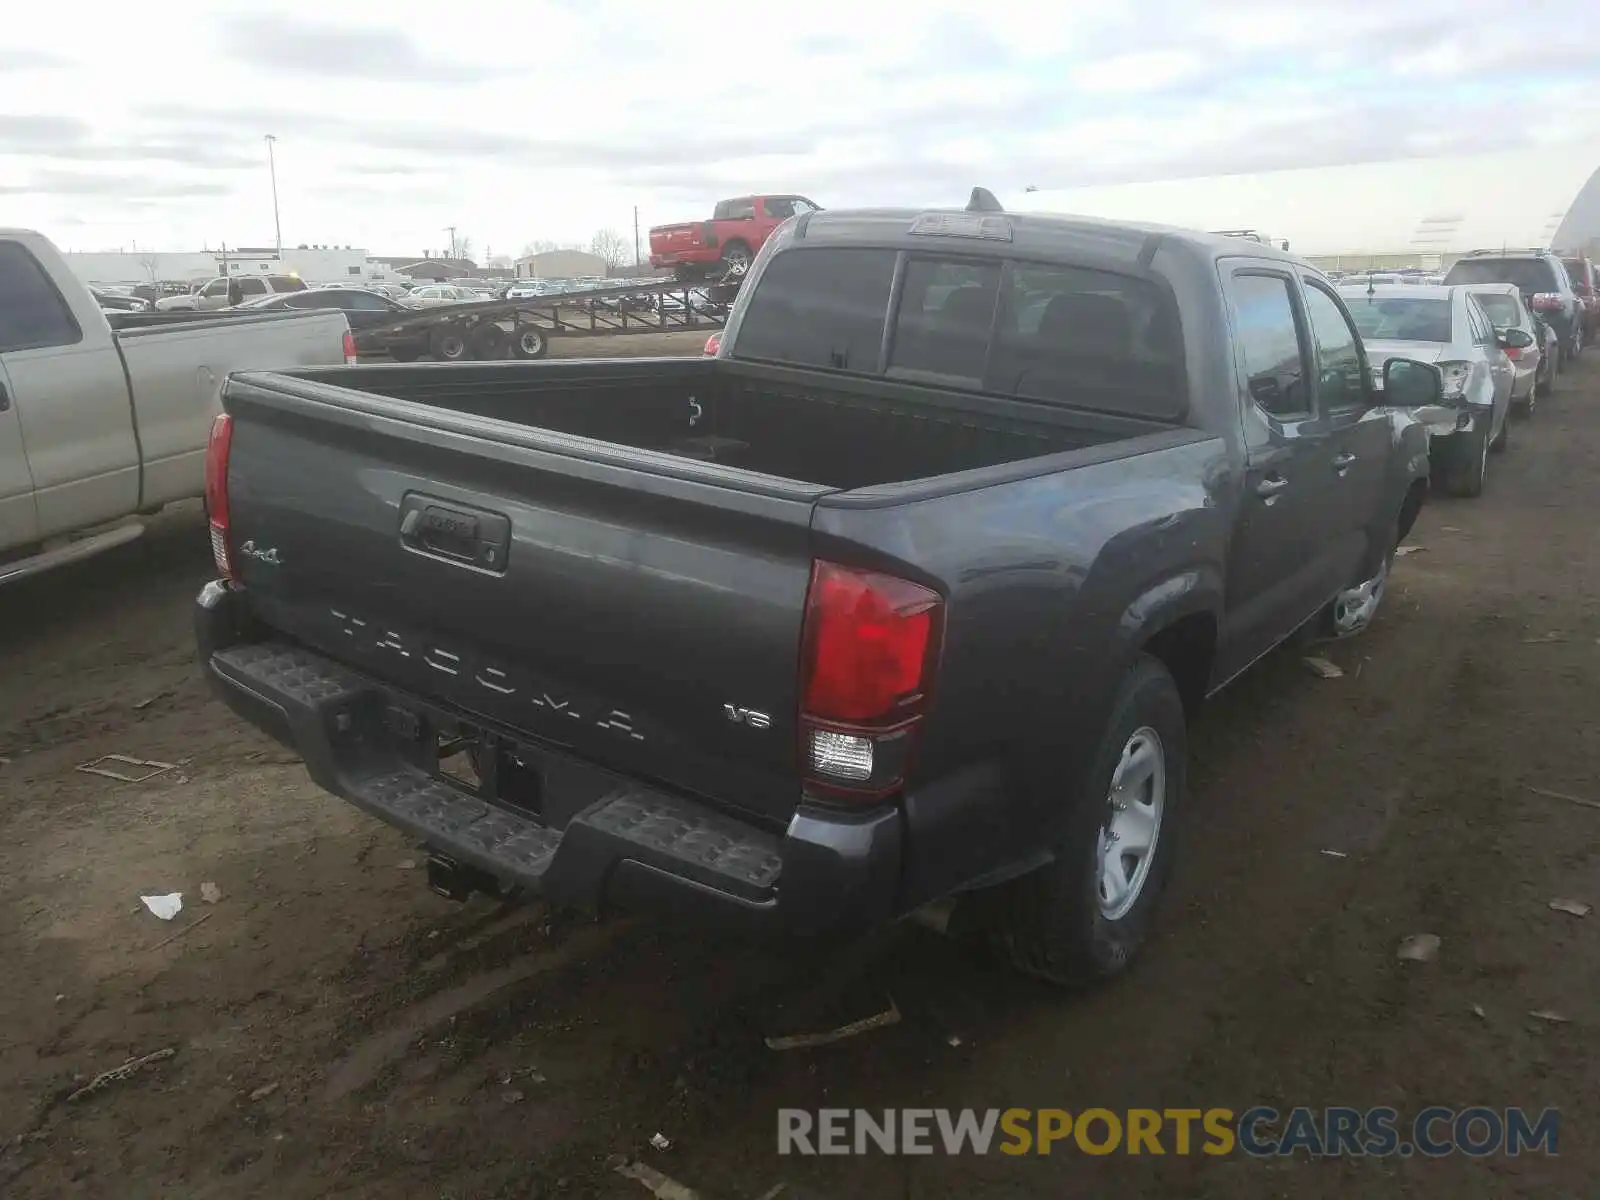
(549, 119)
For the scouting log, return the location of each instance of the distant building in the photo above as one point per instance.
(1412, 212)
(314, 264)
(436, 269)
(562, 264)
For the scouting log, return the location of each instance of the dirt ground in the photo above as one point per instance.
(336, 1029)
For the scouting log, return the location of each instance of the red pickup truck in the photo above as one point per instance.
(728, 241)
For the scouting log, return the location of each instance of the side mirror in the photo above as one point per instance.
(1408, 383)
(1515, 339)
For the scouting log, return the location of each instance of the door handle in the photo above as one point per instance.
(1341, 462)
(5, 399)
(1271, 487)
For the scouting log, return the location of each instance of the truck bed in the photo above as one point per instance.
(772, 421)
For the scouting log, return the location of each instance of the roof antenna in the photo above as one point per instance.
(983, 201)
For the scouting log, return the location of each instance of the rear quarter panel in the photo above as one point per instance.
(177, 373)
(1052, 583)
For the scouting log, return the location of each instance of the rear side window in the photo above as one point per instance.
(735, 210)
(32, 313)
(1090, 339)
(1502, 308)
(1529, 274)
(1268, 343)
(286, 283)
(819, 308)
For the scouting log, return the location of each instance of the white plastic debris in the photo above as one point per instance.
(661, 1141)
(1576, 908)
(1419, 947)
(210, 893)
(165, 907)
(1544, 1014)
(1336, 854)
(1323, 668)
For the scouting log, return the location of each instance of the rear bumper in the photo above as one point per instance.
(700, 256)
(626, 844)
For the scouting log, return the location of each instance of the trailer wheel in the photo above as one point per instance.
(447, 345)
(528, 341)
(490, 343)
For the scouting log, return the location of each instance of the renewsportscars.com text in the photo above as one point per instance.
(1258, 1132)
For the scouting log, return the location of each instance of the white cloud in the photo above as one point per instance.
(553, 118)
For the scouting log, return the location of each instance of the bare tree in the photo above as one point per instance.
(463, 246)
(499, 261)
(546, 245)
(609, 245)
(150, 262)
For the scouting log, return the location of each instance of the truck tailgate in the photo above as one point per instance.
(669, 239)
(609, 602)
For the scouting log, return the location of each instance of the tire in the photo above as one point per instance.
(1352, 610)
(528, 341)
(489, 343)
(448, 344)
(1502, 443)
(735, 258)
(1468, 466)
(1058, 923)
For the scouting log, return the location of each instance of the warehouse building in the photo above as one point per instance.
(1423, 212)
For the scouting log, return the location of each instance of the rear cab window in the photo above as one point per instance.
(1072, 336)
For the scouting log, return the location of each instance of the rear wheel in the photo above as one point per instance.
(1466, 464)
(1084, 916)
(447, 344)
(490, 343)
(1502, 442)
(735, 258)
(527, 341)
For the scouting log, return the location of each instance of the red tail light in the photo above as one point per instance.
(869, 653)
(217, 492)
(350, 358)
(1545, 302)
(713, 344)
(1512, 352)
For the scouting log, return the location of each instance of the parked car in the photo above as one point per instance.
(728, 242)
(372, 318)
(435, 294)
(1542, 279)
(835, 623)
(1585, 277)
(1535, 363)
(1448, 327)
(98, 425)
(118, 302)
(224, 291)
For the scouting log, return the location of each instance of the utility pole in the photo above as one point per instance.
(451, 230)
(636, 236)
(272, 169)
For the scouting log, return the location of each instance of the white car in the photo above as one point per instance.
(435, 294)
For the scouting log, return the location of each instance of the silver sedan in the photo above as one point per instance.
(1446, 326)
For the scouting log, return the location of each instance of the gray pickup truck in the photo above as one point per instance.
(905, 594)
(105, 416)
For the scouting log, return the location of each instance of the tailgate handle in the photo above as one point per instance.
(452, 531)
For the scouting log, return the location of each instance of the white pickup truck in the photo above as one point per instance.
(100, 425)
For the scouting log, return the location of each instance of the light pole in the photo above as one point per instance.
(272, 169)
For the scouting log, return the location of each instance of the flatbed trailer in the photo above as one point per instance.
(522, 328)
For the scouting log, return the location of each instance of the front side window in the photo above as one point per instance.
(1502, 308)
(1268, 343)
(1340, 382)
